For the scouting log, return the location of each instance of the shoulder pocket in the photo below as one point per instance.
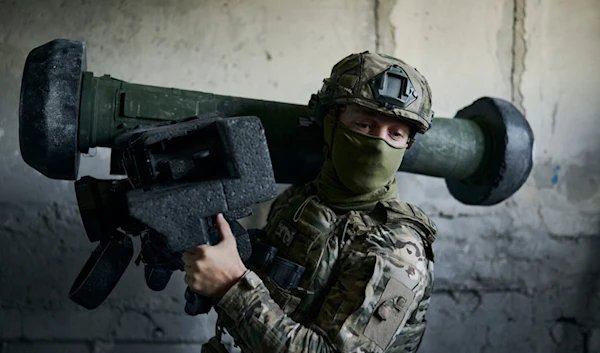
(391, 312)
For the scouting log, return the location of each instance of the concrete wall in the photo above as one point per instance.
(522, 276)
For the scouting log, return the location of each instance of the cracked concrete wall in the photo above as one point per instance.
(278, 50)
(521, 276)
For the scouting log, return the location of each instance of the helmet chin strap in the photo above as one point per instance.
(334, 120)
(411, 138)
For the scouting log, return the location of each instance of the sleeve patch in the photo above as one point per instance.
(390, 313)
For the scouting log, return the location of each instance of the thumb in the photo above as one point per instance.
(224, 228)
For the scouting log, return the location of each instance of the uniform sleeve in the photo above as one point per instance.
(374, 294)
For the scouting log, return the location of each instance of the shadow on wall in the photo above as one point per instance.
(581, 332)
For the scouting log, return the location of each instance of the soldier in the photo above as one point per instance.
(366, 256)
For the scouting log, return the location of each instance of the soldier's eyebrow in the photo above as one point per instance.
(400, 132)
(400, 129)
(366, 119)
(368, 112)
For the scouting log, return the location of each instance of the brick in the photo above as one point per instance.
(35, 347)
(68, 325)
(165, 327)
(153, 347)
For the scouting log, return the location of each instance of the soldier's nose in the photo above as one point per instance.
(379, 132)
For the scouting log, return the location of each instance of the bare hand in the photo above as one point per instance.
(211, 270)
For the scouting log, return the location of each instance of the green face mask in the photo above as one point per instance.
(359, 170)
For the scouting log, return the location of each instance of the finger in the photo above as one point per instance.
(186, 257)
(192, 283)
(196, 249)
(224, 228)
(201, 252)
(192, 276)
(191, 258)
(200, 249)
(195, 253)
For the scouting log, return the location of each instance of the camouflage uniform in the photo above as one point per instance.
(366, 287)
(369, 274)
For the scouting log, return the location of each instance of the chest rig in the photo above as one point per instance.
(296, 254)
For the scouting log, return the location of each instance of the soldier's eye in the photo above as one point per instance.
(361, 126)
(396, 135)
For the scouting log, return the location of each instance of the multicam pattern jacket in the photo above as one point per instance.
(366, 286)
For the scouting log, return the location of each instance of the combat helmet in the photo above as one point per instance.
(378, 82)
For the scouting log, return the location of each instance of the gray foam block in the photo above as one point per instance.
(179, 209)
